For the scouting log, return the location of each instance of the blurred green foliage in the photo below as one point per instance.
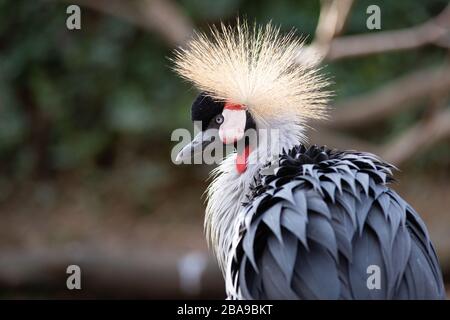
(76, 100)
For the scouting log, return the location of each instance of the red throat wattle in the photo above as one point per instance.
(241, 160)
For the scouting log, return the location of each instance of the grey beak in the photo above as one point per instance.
(197, 145)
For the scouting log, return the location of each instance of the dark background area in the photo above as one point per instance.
(85, 122)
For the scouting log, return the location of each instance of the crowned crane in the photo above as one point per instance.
(300, 222)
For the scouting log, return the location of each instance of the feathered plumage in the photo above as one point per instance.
(313, 228)
(256, 67)
(310, 229)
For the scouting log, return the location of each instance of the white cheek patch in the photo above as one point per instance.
(233, 126)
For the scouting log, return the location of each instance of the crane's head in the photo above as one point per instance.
(250, 78)
(219, 122)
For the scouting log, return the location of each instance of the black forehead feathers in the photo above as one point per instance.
(205, 108)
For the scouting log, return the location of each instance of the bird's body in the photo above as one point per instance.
(317, 227)
(290, 222)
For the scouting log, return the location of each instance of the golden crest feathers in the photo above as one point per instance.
(257, 67)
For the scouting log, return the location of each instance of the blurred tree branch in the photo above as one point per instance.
(369, 108)
(424, 134)
(332, 18)
(396, 96)
(161, 16)
(421, 135)
(104, 273)
(430, 32)
(321, 135)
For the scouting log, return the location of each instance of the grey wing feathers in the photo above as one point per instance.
(305, 240)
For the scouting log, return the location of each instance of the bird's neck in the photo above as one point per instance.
(231, 184)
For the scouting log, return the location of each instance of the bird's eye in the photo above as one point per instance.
(219, 119)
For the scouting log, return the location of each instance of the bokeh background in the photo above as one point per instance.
(86, 117)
